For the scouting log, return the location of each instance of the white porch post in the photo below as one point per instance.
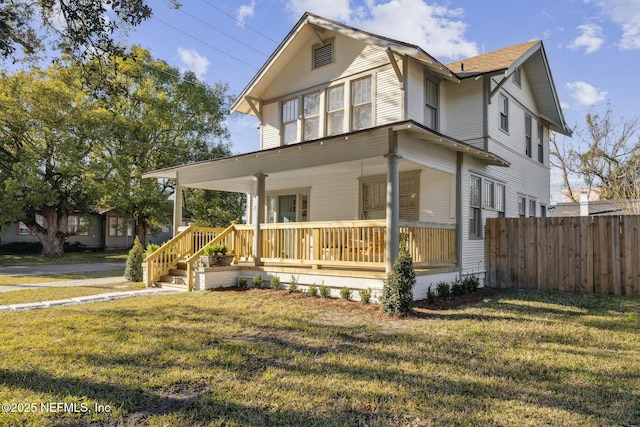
(177, 206)
(258, 202)
(392, 237)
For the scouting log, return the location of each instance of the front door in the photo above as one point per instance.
(287, 208)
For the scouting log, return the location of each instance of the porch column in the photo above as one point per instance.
(258, 202)
(177, 207)
(392, 236)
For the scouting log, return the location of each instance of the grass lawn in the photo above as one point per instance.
(28, 280)
(69, 258)
(262, 357)
(54, 293)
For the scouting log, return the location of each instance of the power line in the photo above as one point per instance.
(204, 43)
(219, 31)
(240, 22)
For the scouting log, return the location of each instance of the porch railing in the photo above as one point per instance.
(314, 244)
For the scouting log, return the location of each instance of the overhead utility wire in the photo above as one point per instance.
(219, 31)
(240, 22)
(204, 43)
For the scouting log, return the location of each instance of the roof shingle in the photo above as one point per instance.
(496, 60)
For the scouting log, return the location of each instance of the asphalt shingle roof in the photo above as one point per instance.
(496, 60)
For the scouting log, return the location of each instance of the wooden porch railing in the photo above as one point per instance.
(180, 246)
(313, 244)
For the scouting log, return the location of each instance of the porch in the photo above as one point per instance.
(354, 246)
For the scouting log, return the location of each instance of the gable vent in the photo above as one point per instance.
(323, 55)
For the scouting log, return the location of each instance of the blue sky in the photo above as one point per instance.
(593, 46)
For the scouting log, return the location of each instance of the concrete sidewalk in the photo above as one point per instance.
(86, 299)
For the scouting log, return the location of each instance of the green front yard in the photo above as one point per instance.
(68, 258)
(262, 357)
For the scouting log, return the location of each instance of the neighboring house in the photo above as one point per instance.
(592, 194)
(587, 207)
(100, 230)
(361, 134)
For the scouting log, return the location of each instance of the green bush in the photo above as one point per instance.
(313, 290)
(457, 288)
(471, 283)
(346, 293)
(215, 250)
(133, 271)
(293, 284)
(242, 283)
(324, 291)
(431, 296)
(397, 291)
(257, 281)
(151, 248)
(443, 289)
(365, 296)
(275, 283)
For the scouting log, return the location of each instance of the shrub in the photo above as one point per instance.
(257, 280)
(443, 289)
(151, 248)
(457, 288)
(74, 247)
(215, 250)
(346, 293)
(365, 296)
(324, 291)
(275, 283)
(293, 284)
(313, 290)
(242, 283)
(397, 291)
(431, 296)
(133, 271)
(471, 283)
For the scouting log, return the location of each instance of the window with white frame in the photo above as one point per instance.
(532, 208)
(504, 113)
(311, 116)
(374, 196)
(361, 103)
(322, 55)
(475, 207)
(290, 121)
(23, 230)
(489, 194)
(522, 206)
(543, 211)
(517, 77)
(527, 134)
(500, 189)
(335, 109)
(431, 104)
(540, 143)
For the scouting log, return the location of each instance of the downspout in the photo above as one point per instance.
(459, 161)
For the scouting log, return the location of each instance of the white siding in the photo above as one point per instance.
(463, 118)
(427, 154)
(271, 127)
(415, 91)
(388, 97)
(437, 196)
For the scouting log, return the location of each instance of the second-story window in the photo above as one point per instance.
(290, 121)
(335, 110)
(311, 116)
(517, 77)
(527, 135)
(431, 104)
(361, 105)
(540, 143)
(504, 113)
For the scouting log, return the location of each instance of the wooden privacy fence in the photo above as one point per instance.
(583, 254)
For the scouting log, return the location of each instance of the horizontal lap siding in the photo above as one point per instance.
(464, 111)
(271, 128)
(437, 196)
(415, 91)
(388, 97)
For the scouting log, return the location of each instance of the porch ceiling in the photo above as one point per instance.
(319, 157)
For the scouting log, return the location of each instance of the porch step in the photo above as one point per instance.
(172, 286)
(178, 272)
(176, 280)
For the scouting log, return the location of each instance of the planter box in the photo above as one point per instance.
(216, 260)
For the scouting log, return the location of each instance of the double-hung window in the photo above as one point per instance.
(504, 113)
(522, 206)
(532, 208)
(431, 104)
(374, 196)
(335, 109)
(361, 103)
(290, 121)
(540, 143)
(311, 116)
(527, 135)
(475, 206)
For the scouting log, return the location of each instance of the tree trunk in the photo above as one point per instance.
(140, 226)
(53, 233)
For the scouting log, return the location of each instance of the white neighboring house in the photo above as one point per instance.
(364, 138)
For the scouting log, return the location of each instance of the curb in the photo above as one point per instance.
(111, 296)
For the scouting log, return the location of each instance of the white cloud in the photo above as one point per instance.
(194, 61)
(591, 38)
(245, 11)
(626, 13)
(437, 29)
(585, 94)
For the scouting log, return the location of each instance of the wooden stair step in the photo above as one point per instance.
(177, 272)
(177, 280)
